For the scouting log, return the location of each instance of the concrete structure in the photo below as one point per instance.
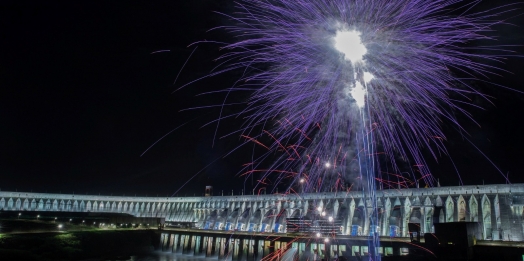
(497, 208)
(243, 246)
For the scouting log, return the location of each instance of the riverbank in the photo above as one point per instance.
(77, 245)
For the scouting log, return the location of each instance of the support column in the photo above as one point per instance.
(176, 243)
(259, 250)
(244, 243)
(216, 245)
(222, 248)
(171, 242)
(191, 246)
(183, 243)
(197, 246)
(236, 249)
(210, 246)
(251, 250)
(268, 246)
(164, 241)
(204, 245)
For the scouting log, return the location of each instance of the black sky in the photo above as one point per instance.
(82, 97)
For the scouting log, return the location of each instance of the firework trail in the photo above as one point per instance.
(323, 71)
(336, 82)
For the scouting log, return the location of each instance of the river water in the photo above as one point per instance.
(163, 256)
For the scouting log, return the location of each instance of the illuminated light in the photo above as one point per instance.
(319, 209)
(60, 226)
(328, 165)
(368, 77)
(358, 93)
(323, 213)
(302, 180)
(350, 44)
(326, 239)
(330, 219)
(318, 235)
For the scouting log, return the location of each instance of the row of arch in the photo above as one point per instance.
(262, 216)
(271, 212)
(168, 210)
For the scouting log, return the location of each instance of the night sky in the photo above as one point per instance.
(83, 95)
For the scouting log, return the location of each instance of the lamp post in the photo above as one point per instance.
(19, 215)
(37, 216)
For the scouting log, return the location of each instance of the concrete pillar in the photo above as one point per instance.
(268, 247)
(350, 218)
(216, 246)
(182, 243)
(222, 248)
(235, 246)
(164, 241)
(405, 217)
(204, 245)
(251, 250)
(197, 246)
(187, 244)
(191, 248)
(210, 246)
(176, 241)
(326, 251)
(171, 242)
(259, 250)
(244, 249)
(301, 251)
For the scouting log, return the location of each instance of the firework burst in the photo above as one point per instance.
(333, 82)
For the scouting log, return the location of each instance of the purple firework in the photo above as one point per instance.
(322, 72)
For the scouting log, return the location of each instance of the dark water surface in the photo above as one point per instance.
(163, 256)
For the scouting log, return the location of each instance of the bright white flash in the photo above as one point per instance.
(350, 44)
(368, 77)
(359, 93)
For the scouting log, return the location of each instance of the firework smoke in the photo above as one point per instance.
(322, 72)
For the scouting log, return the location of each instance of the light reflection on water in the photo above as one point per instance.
(163, 256)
